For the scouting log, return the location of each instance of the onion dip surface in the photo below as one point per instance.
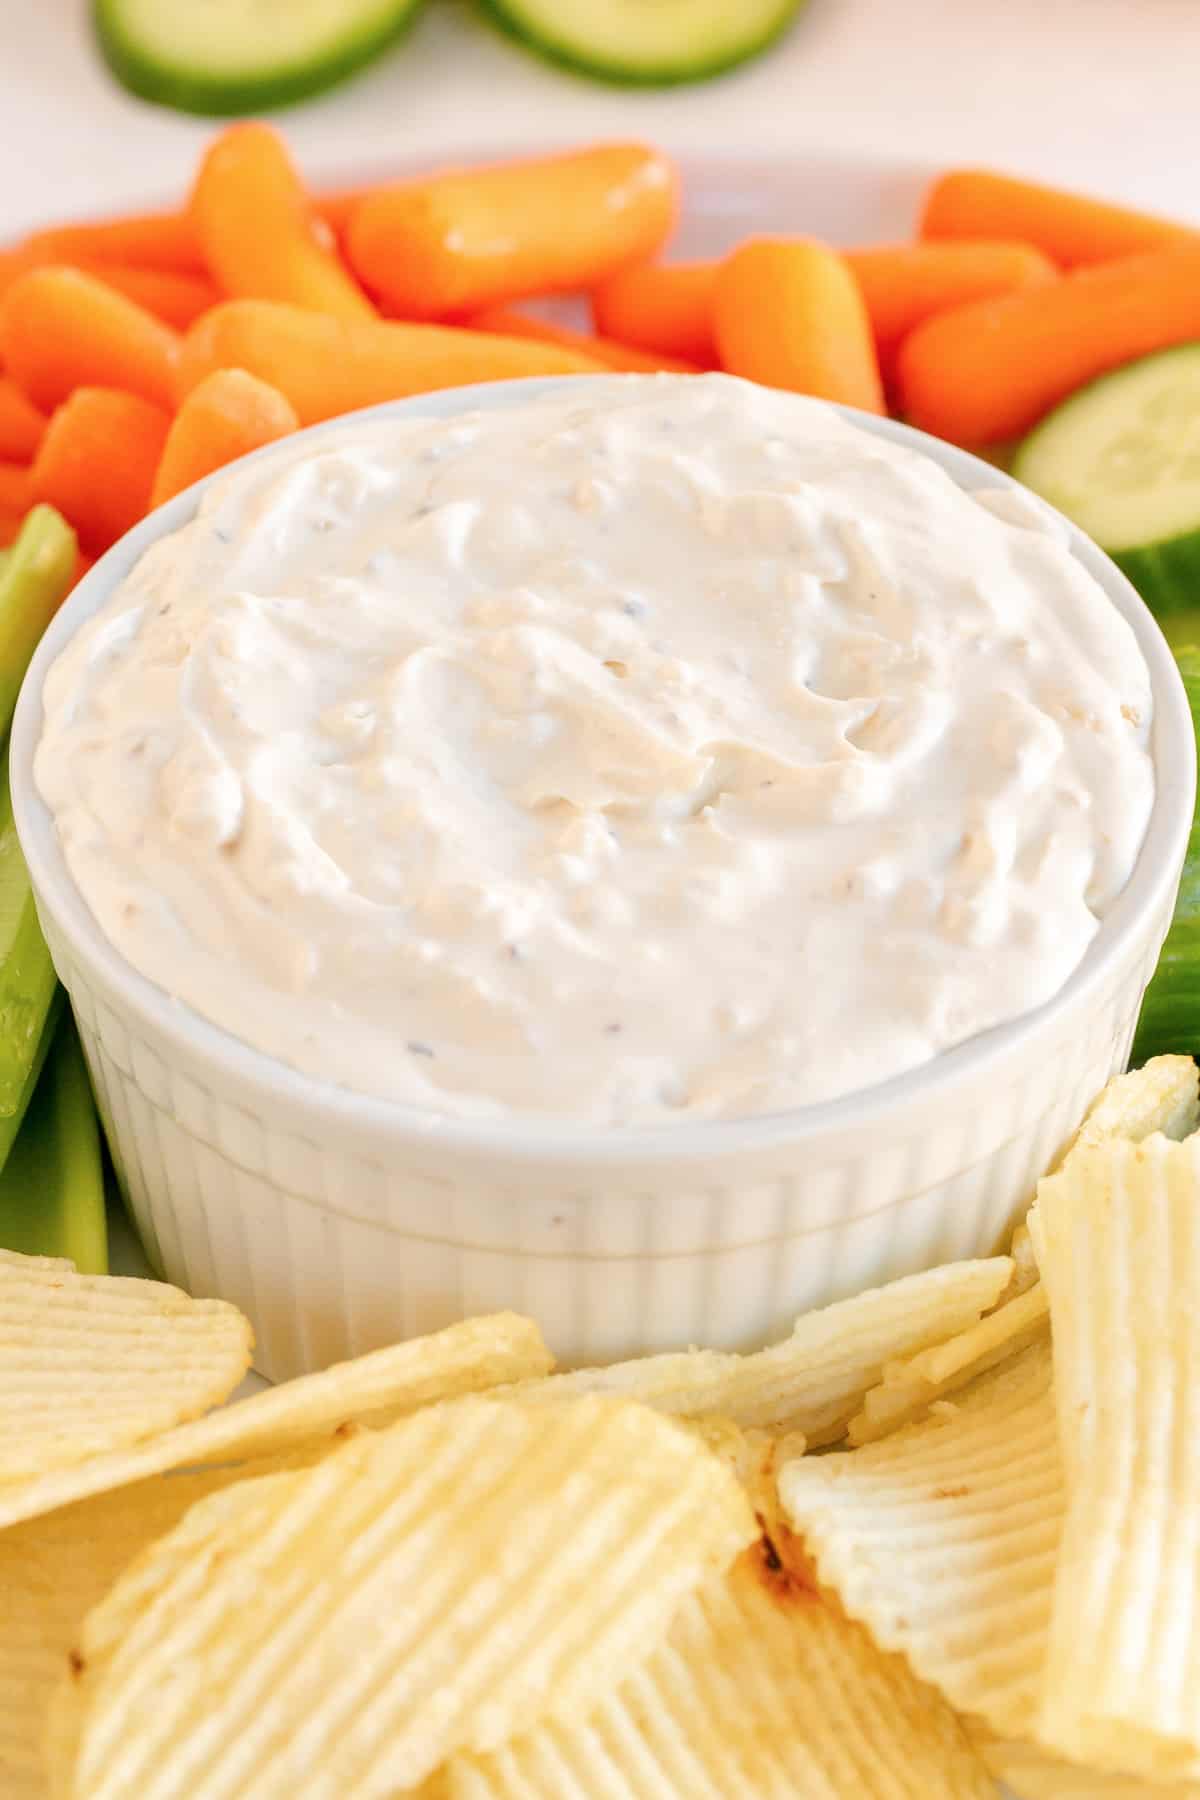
(661, 747)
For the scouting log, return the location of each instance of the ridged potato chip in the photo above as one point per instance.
(751, 1456)
(1163, 1095)
(813, 1382)
(95, 1363)
(1117, 1235)
(439, 1585)
(1025, 1269)
(1034, 1774)
(911, 1385)
(138, 1589)
(467, 1358)
(762, 1691)
(54, 1569)
(942, 1538)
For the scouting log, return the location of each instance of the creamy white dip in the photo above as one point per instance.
(664, 747)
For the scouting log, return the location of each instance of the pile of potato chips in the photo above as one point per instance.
(444, 1570)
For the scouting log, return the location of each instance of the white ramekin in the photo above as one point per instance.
(339, 1223)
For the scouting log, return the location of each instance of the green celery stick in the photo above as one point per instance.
(27, 980)
(34, 577)
(1182, 629)
(33, 580)
(1170, 1015)
(52, 1183)
(10, 1123)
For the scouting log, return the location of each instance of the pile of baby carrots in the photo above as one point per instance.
(138, 354)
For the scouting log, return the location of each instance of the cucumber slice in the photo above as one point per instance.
(1170, 1015)
(655, 42)
(221, 57)
(34, 576)
(52, 1184)
(1122, 459)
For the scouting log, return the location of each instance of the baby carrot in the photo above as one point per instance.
(97, 462)
(510, 323)
(664, 307)
(260, 235)
(14, 487)
(1070, 228)
(177, 300)
(669, 306)
(21, 424)
(904, 284)
(990, 370)
(226, 415)
(10, 528)
(457, 242)
(790, 314)
(61, 329)
(16, 261)
(328, 366)
(337, 205)
(161, 240)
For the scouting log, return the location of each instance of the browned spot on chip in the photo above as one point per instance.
(76, 1662)
(784, 1569)
(951, 1493)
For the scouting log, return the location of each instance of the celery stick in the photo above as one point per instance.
(34, 577)
(27, 979)
(1170, 1015)
(52, 1184)
(10, 1123)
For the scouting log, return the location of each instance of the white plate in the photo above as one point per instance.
(726, 197)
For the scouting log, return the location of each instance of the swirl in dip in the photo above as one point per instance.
(663, 746)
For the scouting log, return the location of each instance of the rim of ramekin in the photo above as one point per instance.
(530, 1138)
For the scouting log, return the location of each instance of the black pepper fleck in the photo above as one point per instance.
(419, 1049)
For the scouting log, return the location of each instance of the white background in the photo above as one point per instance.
(1105, 93)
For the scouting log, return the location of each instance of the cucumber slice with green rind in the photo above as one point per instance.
(225, 57)
(646, 42)
(1122, 459)
(1170, 1015)
(1167, 576)
(52, 1183)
